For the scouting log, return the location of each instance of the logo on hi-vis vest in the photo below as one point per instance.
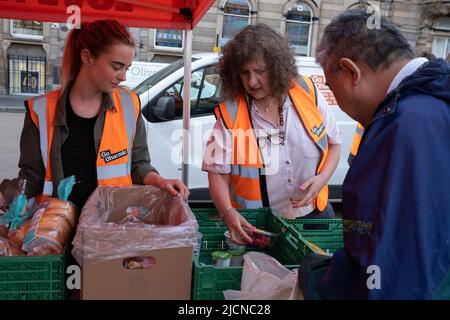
(318, 131)
(108, 157)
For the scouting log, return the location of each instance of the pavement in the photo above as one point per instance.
(13, 103)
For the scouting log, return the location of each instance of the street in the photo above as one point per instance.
(10, 128)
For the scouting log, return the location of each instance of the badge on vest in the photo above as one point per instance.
(318, 131)
(362, 228)
(108, 157)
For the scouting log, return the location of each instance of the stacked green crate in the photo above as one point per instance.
(209, 281)
(32, 277)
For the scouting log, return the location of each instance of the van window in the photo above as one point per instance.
(158, 76)
(204, 89)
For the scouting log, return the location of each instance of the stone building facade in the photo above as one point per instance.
(30, 52)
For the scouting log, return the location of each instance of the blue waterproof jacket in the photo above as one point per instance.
(396, 198)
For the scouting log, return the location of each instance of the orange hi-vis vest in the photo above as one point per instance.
(355, 144)
(247, 183)
(114, 156)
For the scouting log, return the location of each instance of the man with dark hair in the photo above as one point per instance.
(428, 55)
(396, 196)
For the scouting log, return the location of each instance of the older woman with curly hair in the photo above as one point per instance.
(275, 143)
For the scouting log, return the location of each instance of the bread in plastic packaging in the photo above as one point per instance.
(52, 223)
(4, 231)
(50, 228)
(8, 248)
(17, 235)
(14, 223)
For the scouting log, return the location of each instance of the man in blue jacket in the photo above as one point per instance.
(396, 196)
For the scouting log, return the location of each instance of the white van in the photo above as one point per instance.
(139, 71)
(161, 97)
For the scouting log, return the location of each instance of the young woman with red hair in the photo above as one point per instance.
(91, 127)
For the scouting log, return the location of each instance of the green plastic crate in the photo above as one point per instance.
(317, 227)
(327, 234)
(208, 281)
(33, 277)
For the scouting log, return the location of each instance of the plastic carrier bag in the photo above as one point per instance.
(264, 278)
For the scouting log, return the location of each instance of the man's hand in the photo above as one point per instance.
(310, 188)
(235, 222)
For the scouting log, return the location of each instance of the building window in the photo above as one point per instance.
(236, 16)
(27, 29)
(170, 40)
(26, 69)
(441, 47)
(299, 28)
(442, 23)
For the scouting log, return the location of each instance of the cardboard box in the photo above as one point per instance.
(169, 278)
(150, 258)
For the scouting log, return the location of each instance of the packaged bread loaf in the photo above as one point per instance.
(50, 228)
(7, 248)
(17, 235)
(52, 223)
(16, 221)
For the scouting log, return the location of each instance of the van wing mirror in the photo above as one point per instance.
(165, 108)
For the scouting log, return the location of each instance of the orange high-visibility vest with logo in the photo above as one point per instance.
(247, 184)
(355, 144)
(114, 156)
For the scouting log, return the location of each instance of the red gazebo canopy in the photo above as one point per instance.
(163, 14)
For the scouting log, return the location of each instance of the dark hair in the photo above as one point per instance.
(428, 55)
(350, 35)
(95, 36)
(256, 41)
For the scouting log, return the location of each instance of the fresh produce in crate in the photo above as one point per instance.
(261, 238)
(221, 258)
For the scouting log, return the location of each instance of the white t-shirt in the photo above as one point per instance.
(288, 165)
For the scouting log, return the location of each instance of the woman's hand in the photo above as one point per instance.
(310, 188)
(235, 222)
(174, 187)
